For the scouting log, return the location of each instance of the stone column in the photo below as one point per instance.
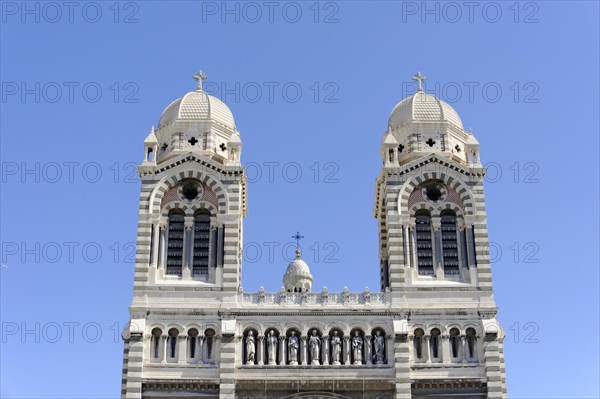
(325, 354)
(198, 353)
(260, 350)
(346, 350)
(438, 257)
(188, 246)
(413, 248)
(303, 351)
(411, 349)
(446, 349)
(165, 340)
(162, 245)
(368, 347)
(428, 349)
(407, 257)
(155, 244)
(282, 351)
(182, 345)
(463, 342)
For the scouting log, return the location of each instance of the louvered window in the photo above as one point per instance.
(201, 243)
(175, 244)
(449, 243)
(424, 244)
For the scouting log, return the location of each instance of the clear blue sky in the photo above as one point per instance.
(311, 87)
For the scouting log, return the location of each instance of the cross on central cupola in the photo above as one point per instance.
(297, 277)
(200, 77)
(297, 237)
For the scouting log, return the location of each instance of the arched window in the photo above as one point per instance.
(209, 334)
(454, 342)
(156, 335)
(424, 244)
(435, 344)
(471, 343)
(418, 342)
(449, 243)
(201, 243)
(193, 334)
(173, 333)
(175, 245)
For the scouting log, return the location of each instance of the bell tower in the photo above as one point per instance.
(433, 236)
(192, 205)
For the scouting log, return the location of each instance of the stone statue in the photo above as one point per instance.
(336, 348)
(379, 348)
(272, 347)
(357, 347)
(250, 348)
(293, 348)
(314, 343)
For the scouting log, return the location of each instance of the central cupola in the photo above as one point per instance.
(297, 277)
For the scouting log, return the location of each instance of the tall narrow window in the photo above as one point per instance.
(471, 340)
(449, 243)
(173, 333)
(193, 334)
(419, 344)
(201, 243)
(175, 245)
(424, 244)
(435, 343)
(454, 342)
(210, 337)
(156, 335)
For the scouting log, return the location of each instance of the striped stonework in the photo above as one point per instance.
(430, 332)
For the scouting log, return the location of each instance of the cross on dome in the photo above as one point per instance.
(200, 77)
(297, 237)
(419, 79)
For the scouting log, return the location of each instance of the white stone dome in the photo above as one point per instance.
(200, 106)
(423, 107)
(297, 277)
(298, 267)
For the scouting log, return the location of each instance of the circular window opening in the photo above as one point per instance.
(433, 193)
(190, 191)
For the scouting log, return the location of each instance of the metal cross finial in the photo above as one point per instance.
(200, 77)
(419, 79)
(297, 237)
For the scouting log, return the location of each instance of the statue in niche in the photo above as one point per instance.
(336, 348)
(314, 343)
(272, 347)
(250, 348)
(293, 348)
(357, 347)
(379, 356)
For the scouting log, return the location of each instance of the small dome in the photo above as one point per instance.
(423, 107)
(298, 267)
(297, 278)
(198, 105)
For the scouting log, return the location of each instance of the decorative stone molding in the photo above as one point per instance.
(324, 298)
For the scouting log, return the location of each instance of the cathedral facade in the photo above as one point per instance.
(429, 332)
